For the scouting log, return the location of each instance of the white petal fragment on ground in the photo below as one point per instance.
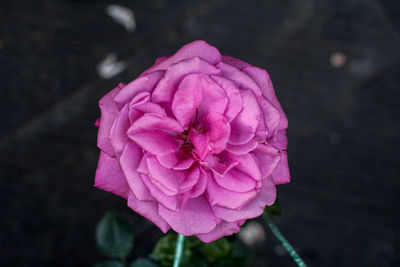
(123, 16)
(110, 67)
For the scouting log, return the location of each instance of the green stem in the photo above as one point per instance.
(283, 240)
(178, 250)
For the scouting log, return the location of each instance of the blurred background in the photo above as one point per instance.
(335, 65)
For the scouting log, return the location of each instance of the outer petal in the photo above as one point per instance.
(242, 149)
(109, 176)
(118, 137)
(109, 112)
(268, 158)
(281, 174)
(129, 160)
(176, 72)
(225, 198)
(199, 188)
(253, 209)
(195, 49)
(237, 63)
(240, 78)
(144, 83)
(222, 229)
(149, 210)
(263, 80)
(195, 217)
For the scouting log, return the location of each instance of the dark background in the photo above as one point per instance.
(342, 206)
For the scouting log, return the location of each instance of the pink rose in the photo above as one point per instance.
(196, 143)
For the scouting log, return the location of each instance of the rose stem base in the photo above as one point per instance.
(282, 239)
(178, 250)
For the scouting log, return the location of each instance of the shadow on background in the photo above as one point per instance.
(336, 70)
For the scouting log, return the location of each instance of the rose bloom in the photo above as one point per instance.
(196, 143)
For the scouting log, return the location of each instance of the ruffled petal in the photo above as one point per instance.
(268, 158)
(244, 126)
(109, 112)
(235, 102)
(109, 176)
(149, 210)
(167, 178)
(281, 174)
(272, 117)
(170, 202)
(236, 181)
(166, 88)
(261, 77)
(189, 103)
(195, 49)
(253, 209)
(219, 164)
(240, 78)
(235, 62)
(218, 130)
(129, 160)
(242, 149)
(118, 137)
(222, 229)
(248, 164)
(155, 134)
(144, 83)
(217, 195)
(201, 185)
(194, 218)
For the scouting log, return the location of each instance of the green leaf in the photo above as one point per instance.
(109, 264)
(164, 251)
(217, 250)
(274, 209)
(114, 236)
(143, 262)
(242, 255)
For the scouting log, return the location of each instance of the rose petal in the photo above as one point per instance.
(144, 83)
(281, 174)
(195, 217)
(118, 137)
(217, 195)
(155, 134)
(218, 130)
(149, 210)
(168, 178)
(166, 88)
(248, 164)
(244, 126)
(272, 117)
(236, 181)
(279, 140)
(240, 78)
(234, 98)
(201, 143)
(199, 188)
(129, 160)
(170, 202)
(109, 176)
(242, 149)
(219, 164)
(190, 180)
(188, 103)
(109, 112)
(237, 63)
(195, 49)
(253, 209)
(268, 158)
(261, 77)
(222, 229)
